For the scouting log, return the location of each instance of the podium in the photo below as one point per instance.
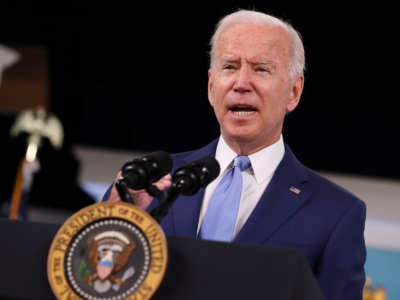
(196, 269)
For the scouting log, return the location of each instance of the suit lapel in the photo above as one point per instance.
(186, 209)
(285, 195)
(186, 212)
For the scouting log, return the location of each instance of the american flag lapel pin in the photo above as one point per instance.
(295, 190)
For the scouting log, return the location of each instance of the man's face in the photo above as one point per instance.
(249, 86)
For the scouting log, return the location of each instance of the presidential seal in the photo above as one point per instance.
(107, 251)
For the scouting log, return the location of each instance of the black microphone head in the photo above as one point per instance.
(209, 169)
(141, 172)
(159, 164)
(195, 175)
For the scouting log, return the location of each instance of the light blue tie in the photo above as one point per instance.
(220, 218)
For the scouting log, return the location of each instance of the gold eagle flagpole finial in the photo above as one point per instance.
(37, 124)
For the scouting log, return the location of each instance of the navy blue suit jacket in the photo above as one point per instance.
(318, 217)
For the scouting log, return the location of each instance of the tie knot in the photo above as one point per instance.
(243, 162)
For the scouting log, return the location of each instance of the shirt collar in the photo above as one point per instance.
(264, 162)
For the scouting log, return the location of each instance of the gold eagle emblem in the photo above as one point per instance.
(109, 252)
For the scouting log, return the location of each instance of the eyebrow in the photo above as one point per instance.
(263, 62)
(260, 62)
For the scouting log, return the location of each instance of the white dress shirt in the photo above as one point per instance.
(255, 178)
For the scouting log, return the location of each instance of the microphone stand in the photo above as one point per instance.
(123, 191)
(161, 210)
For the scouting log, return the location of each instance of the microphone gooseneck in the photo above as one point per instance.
(187, 180)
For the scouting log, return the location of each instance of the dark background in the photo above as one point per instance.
(134, 77)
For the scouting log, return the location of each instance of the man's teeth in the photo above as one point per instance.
(242, 113)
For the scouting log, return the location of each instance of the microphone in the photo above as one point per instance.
(141, 172)
(190, 178)
(187, 180)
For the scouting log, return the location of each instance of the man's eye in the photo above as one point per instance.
(228, 67)
(263, 70)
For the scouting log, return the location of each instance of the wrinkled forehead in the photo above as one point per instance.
(254, 40)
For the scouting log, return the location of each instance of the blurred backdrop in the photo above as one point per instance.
(135, 78)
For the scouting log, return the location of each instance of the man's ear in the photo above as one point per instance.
(210, 87)
(295, 93)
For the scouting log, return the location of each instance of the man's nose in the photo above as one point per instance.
(243, 80)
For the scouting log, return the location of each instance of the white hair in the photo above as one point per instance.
(297, 63)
